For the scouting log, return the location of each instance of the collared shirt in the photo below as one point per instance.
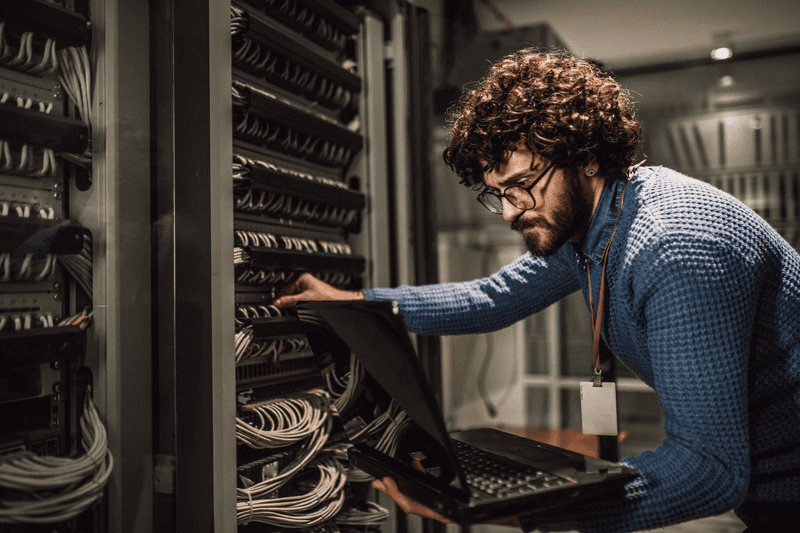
(603, 222)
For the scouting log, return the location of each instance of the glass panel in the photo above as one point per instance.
(571, 407)
(641, 417)
(536, 360)
(576, 331)
(576, 356)
(537, 406)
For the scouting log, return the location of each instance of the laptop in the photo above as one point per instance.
(395, 428)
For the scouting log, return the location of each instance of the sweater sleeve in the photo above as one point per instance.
(697, 302)
(525, 286)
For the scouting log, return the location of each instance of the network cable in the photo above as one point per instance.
(284, 421)
(353, 473)
(45, 490)
(79, 266)
(344, 389)
(75, 74)
(321, 503)
(307, 452)
(366, 514)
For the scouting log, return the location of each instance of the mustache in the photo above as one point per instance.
(520, 224)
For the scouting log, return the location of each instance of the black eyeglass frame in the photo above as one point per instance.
(485, 193)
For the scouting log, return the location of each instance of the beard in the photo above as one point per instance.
(572, 212)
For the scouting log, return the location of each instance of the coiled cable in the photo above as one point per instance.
(44, 490)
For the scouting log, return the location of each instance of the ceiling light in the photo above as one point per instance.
(722, 48)
(721, 53)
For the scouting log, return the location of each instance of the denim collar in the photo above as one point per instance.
(602, 225)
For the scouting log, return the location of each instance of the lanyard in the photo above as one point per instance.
(597, 320)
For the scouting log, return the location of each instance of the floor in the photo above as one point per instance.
(726, 523)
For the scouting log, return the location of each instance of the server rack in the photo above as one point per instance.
(64, 60)
(274, 155)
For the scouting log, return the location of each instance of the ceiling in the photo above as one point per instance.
(629, 33)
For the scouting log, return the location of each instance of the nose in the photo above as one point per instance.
(510, 211)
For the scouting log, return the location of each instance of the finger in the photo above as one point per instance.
(408, 505)
(378, 485)
(286, 301)
(291, 288)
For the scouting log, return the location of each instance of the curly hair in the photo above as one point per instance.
(563, 108)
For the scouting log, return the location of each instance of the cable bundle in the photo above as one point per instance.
(288, 427)
(344, 389)
(44, 490)
(284, 421)
(75, 74)
(29, 162)
(32, 267)
(306, 21)
(83, 319)
(259, 60)
(391, 425)
(262, 131)
(247, 349)
(367, 514)
(25, 58)
(238, 20)
(79, 266)
(268, 240)
(395, 429)
(29, 320)
(243, 167)
(279, 205)
(255, 276)
(320, 503)
(353, 474)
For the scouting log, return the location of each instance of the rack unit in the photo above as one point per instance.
(274, 155)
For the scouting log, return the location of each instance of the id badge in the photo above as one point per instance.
(599, 408)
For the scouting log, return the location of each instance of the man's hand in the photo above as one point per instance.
(308, 288)
(406, 504)
(411, 506)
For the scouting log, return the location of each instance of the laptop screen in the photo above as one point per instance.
(382, 396)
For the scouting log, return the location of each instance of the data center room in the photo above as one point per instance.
(148, 383)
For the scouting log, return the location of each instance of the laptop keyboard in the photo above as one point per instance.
(487, 474)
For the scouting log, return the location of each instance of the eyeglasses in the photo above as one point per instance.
(517, 195)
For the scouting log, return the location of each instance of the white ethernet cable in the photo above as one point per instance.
(367, 514)
(322, 503)
(285, 420)
(75, 74)
(79, 265)
(349, 382)
(308, 451)
(353, 473)
(44, 490)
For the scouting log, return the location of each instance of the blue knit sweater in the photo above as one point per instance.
(703, 305)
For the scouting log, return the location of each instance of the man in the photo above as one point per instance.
(688, 287)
